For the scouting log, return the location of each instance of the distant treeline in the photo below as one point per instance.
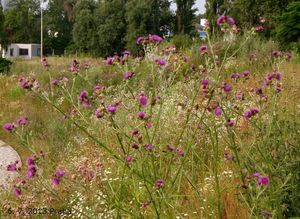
(103, 27)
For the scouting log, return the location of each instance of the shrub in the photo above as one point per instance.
(5, 65)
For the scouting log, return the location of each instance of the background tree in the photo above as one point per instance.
(58, 27)
(147, 17)
(289, 26)
(185, 15)
(84, 29)
(22, 17)
(110, 27)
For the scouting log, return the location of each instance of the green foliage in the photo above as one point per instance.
(145, 17)
(4, 65)
(185, 15)
(247, 13)
(289, 27)
(22, 18)
(84, 31)
(58, 28)
(110, 27)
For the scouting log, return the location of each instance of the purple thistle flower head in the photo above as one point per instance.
(180, 152)
(135, 146)
(17, 191)
(9, 127)
(203, 49)
(148, 125)
(239, 95)
(31, 171)
(98, 113)
(22, 121)
(218, 112)
(12, 167)
(135, 132)
(128, 158)
(247, 114)
(270, 76)
(254, 111)
(74, 67)
(54, 82)
(161, 62)
(205, 83)
(141, 115)
(259, 28)
(59, 173)
(128, 75)
(148, 147)
(236, 75)
(55, 181)
(230, 21)
(221, 20)
(112, 108)
(256, 174)
(126, 53)
(246, 73)
(227, 88)
(278, 76)
(84, 98)
(109, 61)
(230, 122)
(155, 38)
(83, 95)
(30, 161)
(159, 183)
(288, 55)
(143, 100)
(139, 40)
(276, 53)
(97, 89)
(263, 180)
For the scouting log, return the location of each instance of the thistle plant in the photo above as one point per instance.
(170, 144)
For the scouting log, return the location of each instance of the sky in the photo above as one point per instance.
(200, 5)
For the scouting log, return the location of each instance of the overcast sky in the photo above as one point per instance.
(200, 5)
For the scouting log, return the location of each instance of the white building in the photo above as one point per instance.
(18, 50)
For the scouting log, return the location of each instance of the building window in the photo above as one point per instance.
(23, 52)
(11, 52)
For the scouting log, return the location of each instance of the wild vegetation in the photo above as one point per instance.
(207, 131)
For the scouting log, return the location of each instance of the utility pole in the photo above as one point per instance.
(41, 3)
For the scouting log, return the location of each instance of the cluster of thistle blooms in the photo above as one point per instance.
(10, 127)
(29, 83)
(285, 55)
(118, 59)
(31, 161)
(227, 22)
(261, 180)
(32, 171)
(149, 39)
(75, 66)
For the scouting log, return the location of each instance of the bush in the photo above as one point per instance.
(182, 41)
(4, 65)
